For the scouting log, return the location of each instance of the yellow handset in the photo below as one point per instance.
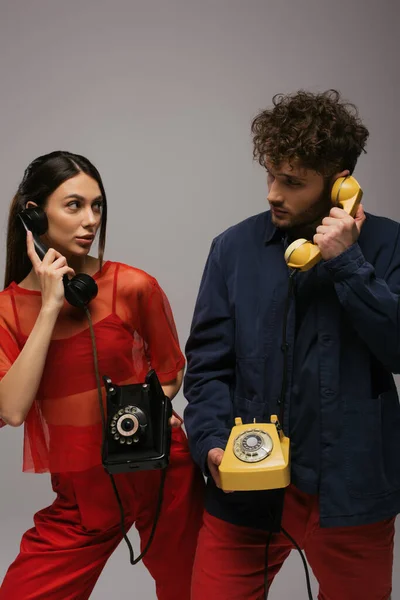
(303, 254)
(256, 457)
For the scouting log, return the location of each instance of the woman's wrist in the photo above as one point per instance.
(49, 313)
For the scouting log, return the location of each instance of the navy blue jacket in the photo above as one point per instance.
(235, 365)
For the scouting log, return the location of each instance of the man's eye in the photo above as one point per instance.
(293, 183)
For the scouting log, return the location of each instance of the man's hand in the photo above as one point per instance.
(338, 232)
(214, 459)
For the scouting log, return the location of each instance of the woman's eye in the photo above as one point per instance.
(73, 204)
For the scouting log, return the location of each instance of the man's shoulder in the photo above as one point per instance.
(382, 222)
(379, 229)
(379, 241)
(253, 227)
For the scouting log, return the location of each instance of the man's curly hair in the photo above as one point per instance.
(314, 131)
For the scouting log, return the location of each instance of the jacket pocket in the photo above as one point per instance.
(249, 410)
(249, 394)
(372, 445)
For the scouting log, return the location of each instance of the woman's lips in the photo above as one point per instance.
(84, 241)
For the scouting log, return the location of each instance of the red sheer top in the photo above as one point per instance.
(134, 330)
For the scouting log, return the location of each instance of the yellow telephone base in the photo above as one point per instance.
(251, 471)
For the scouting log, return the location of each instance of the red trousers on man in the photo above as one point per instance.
(350, 563)
(64, 554)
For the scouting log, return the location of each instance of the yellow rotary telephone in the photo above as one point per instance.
(256, 457)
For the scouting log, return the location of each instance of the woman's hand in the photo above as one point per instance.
(50, 272)
(175, 422)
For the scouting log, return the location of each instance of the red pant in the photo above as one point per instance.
(64, 554)
(350, 563)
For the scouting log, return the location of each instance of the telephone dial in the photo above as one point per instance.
(79, 290)
(303, 254)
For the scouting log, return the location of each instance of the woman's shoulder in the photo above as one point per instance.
(6, 307)
(7, 291)
(132, 278)
(6, 294)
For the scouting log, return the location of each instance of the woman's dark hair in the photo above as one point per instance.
(317, 131)
(41, 178)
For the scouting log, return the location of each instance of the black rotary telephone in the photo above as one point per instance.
(79, 290)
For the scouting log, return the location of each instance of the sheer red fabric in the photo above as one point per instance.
(135, 331)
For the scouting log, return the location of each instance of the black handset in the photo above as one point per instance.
(79, 290)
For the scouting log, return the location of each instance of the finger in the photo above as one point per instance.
(174, 422)
(360, 217)
(333, 221)
(50, 256)
(329, 221)
(175, 414)
(61, 261)
(66, 271)
(214, 470)
(338, 213)
(215, 475)
(323, 229)
(216, 457)
(318, 238)
(60, 269)
(360, 212)
(30, 248)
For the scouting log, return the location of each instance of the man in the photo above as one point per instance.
(328, 372)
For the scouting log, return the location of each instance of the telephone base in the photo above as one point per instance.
(257, 457)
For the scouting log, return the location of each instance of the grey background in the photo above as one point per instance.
(160, 96)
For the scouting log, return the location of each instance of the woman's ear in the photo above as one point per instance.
(30, 204)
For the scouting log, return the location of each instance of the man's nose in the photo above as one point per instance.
(274, 192)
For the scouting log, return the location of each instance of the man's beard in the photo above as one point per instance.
(311, 218)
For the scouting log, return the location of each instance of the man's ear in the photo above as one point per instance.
(335, 177)
(344, 173)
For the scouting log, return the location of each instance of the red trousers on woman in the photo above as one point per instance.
(62, 557)
(350, 563)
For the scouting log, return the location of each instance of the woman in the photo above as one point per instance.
(48, 383)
